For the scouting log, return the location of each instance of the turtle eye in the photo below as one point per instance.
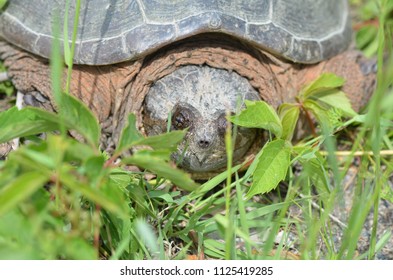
(181, 118)
(222, 123)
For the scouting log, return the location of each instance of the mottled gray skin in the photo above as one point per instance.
(305, 31)
(199, 97)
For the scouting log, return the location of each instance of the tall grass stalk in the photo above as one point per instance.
(229, 232)
(374, 118)
(70, 58)
(56, 65)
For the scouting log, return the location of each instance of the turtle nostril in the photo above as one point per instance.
(203, 144)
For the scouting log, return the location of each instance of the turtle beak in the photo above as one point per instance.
(204, 149)
(203, 143)
(204, 137)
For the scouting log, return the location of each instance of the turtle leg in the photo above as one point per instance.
(19, 105)
(5, 103)
(7, 147)
(359, 74)
(101, 88)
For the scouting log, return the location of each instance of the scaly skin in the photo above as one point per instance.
(114, 91)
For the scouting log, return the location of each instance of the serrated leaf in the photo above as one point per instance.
(289, 114)
(336, 99)
(319, 112)
(323, 82)
(20, 189)
(78, 117)
(119, 178)
(259, 114)
(163, 169)
(272, 167)
(28, 121)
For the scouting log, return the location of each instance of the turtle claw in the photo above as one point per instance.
(369, 66)
(3, 77)
(5, 149)
(8, 147)
(19, 100)
(34, 98)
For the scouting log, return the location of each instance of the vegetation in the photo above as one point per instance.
(66, 199)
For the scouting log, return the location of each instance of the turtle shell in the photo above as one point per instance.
(304, 31)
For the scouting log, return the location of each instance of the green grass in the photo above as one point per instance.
(63, 199)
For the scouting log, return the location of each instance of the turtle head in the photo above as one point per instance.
(203, 149)
(198, 99)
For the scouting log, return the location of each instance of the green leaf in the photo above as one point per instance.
(119, 178)
(77, 248)
(78, 117)
(315, 170)
(78, 151)
(387, 193)
(95, 195)
(28, 121)
(319, 112)
(162, 195)
(272, 167)
(163, 169)
(168, 140)
(289, 114)
(94, 168)
(2, 3)
(38, 158)
(20, 189)
(367, 40)
(336, 99)
(129, 135)
(365, 36)
(323, 82)
(162, 154)
(259, 114)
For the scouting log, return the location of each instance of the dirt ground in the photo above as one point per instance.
(341, 214)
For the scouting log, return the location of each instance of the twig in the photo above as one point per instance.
(333, 218)
(359, 153)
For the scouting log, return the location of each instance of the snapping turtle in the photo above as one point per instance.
(192, 60)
